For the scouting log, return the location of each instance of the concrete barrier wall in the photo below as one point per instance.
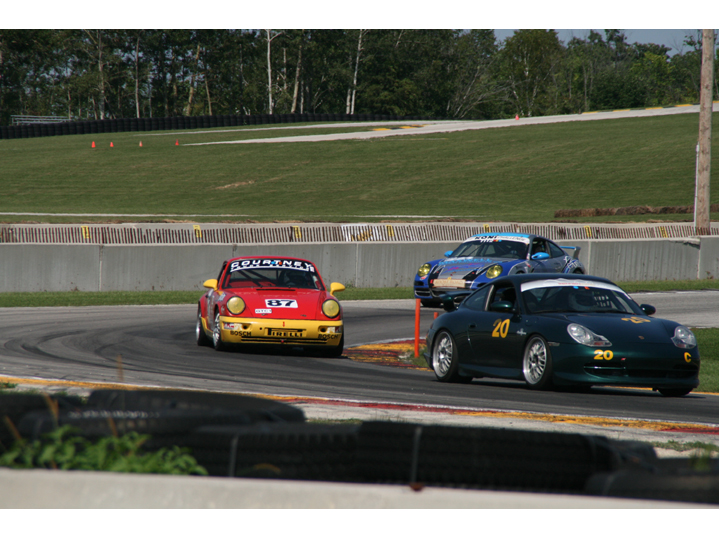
(92, 267)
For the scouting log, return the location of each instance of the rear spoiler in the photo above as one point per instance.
(576, 250)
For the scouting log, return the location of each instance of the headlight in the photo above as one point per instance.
(494, 271)
(235, 305)
(586, 336)
(331, 308)
(684, 338)
(424, 270)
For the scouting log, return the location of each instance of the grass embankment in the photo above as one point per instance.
(519, 173)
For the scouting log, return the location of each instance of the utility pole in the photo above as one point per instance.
(702, 205)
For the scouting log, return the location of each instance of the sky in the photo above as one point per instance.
(655, 24)
(674, 39)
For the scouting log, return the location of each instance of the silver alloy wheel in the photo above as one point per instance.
(535, 361)
(443, 353)
(216, 337)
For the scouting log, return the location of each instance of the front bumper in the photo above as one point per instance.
(290, 332)
(651, 365)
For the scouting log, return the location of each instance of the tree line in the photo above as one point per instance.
(458, 74)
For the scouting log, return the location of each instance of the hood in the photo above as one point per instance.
(623, 328)
(459, 267)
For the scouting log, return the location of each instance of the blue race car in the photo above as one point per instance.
(484, 257)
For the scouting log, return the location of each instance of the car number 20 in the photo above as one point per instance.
(290, 303)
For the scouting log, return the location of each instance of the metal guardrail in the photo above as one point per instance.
(215, 233)
(20, 119)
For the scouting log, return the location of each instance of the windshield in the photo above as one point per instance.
(261, 274)
(578, 299)
(495, 248)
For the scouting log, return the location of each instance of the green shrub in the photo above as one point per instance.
(63, 449)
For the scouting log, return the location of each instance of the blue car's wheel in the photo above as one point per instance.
(445, 359)
(537, 363)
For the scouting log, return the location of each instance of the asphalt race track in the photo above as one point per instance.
(155, 346)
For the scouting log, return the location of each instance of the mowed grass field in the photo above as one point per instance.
(518, 173)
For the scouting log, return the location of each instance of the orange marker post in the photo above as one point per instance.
(177, 142)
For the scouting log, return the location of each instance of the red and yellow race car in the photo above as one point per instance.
(270, 300)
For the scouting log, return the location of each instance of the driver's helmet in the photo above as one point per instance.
(581, 300)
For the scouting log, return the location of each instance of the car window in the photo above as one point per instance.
(578, 299)
(555, 251)
(504, 292)
(491, 249)
(264, 273)
(222, 269)
(478, 300)
(539, 246)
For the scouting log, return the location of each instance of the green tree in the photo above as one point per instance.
(530, 62)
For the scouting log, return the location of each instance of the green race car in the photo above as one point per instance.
(560, 330)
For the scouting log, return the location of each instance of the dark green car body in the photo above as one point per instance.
(519, 328)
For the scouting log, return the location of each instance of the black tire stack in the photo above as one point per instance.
(239, 436)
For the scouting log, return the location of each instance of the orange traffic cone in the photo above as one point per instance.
(112, 145)
(516, 117)
(177, 142)
(93, 143)
(140, 144)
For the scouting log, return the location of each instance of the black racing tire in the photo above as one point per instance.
(445, 359)
(431, 303)
(674, 391)
(336, 351)
(200, 335)
(537, 363)
(217, 334)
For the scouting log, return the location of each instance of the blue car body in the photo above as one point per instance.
(484, 257)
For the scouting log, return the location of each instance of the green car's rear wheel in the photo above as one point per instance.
(445, 359)
(537, 363)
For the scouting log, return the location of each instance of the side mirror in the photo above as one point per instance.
(540, 256)
(448, 253)
(502, 306)
(336, 287)
(648, 309)
(448, 304)
(210, 283)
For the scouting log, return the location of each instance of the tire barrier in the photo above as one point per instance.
(684, 485)
(254, 408)
(487, 458)
(118, 125)
(14, 407)
(238, 436)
